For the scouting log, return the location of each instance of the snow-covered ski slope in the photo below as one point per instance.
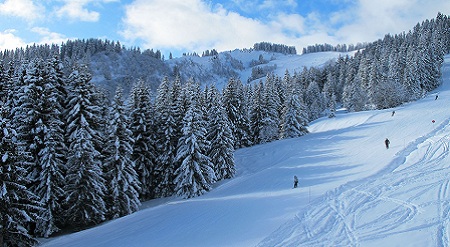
(352, 190)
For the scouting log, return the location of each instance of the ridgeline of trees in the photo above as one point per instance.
(278, 48)
(337, 48)
(71, 157)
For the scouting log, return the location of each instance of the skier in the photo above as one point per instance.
(437, 96)
(387, 142)
(295, 181)
(393, 113)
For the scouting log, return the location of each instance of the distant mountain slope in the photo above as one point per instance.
(111, 69)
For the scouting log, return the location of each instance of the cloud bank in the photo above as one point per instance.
(26, 9)
(190, 24)
(195, 25)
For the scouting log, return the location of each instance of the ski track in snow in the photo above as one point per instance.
(345, 214)
(381, 208)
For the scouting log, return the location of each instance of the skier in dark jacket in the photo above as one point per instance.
(387, 142)
(295, 181)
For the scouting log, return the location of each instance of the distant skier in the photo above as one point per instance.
(295, 181)
(387, 142)
(437, 96)
(393, 113)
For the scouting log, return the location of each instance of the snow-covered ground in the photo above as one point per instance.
(352, 191)
(201, 68)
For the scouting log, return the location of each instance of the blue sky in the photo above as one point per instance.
(194, 25)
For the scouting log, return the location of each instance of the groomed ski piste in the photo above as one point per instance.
(352, 190)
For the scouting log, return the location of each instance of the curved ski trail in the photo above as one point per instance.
(385, 205)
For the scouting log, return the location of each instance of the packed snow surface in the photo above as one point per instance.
(352, 190)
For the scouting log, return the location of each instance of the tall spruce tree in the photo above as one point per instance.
(314, 101)
(19, 207)
(234, 100)
(220, 138)
(121, 177)
(85, 185)
(30, 117)
(51, 158)
(167, 139)
(257, 112)
(295, 118)
(271, 104)
(195, 175)
(142, 125)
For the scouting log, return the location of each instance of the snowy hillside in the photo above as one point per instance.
(353, 191)
(126, 68)
(239, 64)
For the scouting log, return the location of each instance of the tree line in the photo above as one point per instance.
(71, 157)
(278, 48)
(328, 47)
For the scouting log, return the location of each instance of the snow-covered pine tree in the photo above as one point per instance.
(329, 91)
(54, 74)
(314, 101)
(389, 92)
(30, 117)
(121, 177)
(10, 87)
(295, 118)
(195, 175)
(353, 96)
(85, 185)
(271, 104)
(167, 139)
(280, 88)
(221, 149)
(4, 83)
(18, 205)
(257, 112)
(50, 189)
(341, 71)
(234, 98)
(51, 158)
(332, 106)
(410, 79)
(287, 86)
(429, 73)
(37, 115)
(142, 125)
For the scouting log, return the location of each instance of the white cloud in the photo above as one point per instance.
(78, 10)
(289, 23)
(195, 26)
(275, 4)
(9, 41)
(25, 9)
(48, 37)
(370, 20)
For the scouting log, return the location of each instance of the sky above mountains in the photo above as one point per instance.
(179, 26)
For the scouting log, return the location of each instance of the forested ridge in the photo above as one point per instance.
(73, 157)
